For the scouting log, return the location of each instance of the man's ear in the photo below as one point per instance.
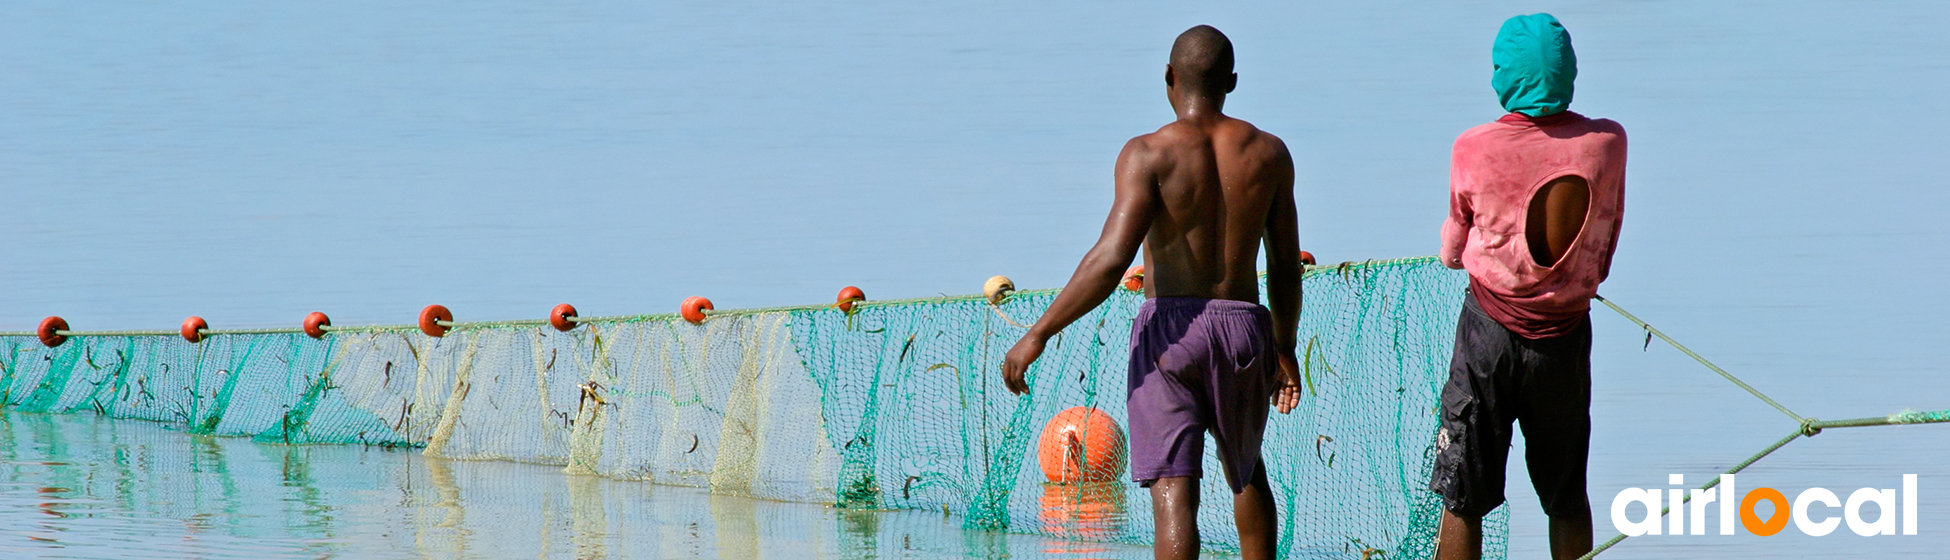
(1232, 82)
(1171, 79)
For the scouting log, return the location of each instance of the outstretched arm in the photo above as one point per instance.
(1283, 270)
(1102, 267)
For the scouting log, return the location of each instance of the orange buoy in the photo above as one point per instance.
(694, 308)
(315, 324)
(559, 317)
(848, 296)
(1081, 444)
(431, 317)
(1134, 279)
(193, 328)
(1306, 257)
(50, 331)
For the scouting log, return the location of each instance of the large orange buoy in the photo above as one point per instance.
(848, 296)
(1081, 444)
(315, 324)
(694, 308)
(431, 317)
(1134, 279)
(559, 317)
(1306, 257)
(50, 331)
(193, 328)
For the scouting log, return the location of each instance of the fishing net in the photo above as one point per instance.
(897, 405)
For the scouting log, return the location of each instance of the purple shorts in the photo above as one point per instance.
(1199, 364)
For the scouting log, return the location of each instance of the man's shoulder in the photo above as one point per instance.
(1476, 133)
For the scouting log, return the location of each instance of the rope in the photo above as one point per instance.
(1309, 270)
(1689, 352)
(1806, 427)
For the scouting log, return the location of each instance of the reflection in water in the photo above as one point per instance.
(103, 488)
(1082, 512)
(591, 517)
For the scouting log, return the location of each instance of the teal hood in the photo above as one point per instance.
(1534, 65)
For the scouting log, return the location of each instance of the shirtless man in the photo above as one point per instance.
(1200, 195)
(1535, 200)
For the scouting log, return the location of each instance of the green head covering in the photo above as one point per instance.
(1534, 65)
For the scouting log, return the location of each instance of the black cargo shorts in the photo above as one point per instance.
(1498, 377)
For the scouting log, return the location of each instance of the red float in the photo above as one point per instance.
(431, 317)
(848, 296)
(694, 308)
(559, 317)
(1081, 444)
(193, 328)
(315, 324)
(1306, 257)
(50, 331)
(1134, 279)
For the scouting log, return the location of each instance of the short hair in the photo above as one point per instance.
(1201, 59)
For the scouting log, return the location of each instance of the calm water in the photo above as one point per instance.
(76, 486)
(253, 163)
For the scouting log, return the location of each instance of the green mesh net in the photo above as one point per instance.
(898, 405)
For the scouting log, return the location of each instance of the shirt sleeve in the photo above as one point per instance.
(1455, 229)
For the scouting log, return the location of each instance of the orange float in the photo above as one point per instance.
(431, 317)
(193, 328)
(1081, 444)
(694, 308)
(848, 296)
(1134, 279)
(560, 317)
(50, 331)
(1306, 257)
(315, 324)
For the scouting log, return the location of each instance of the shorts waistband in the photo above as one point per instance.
(1207, 305)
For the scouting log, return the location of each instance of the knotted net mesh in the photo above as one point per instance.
(897, 405)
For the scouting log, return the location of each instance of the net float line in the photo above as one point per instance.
(54, 330)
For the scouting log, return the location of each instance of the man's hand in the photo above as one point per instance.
(1016, 363)
(1287, 395)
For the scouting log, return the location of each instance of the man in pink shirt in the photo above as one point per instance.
(1534, 205)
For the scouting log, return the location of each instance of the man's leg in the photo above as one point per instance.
(1174, 513)
(1460, 538)
(1570, 535)
(1252, 511)
(1473, 443)
(1557, 435)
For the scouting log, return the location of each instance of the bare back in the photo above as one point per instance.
(1216, 184)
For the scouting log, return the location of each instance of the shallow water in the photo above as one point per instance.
(79, 486)
(253, 163)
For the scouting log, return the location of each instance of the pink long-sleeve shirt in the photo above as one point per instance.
(1494, 171)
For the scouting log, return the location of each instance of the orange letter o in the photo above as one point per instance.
(1752, 522)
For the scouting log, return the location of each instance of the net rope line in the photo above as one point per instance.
(1310, 270)
(1806, 426)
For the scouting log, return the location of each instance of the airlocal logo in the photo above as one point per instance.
(1735, 505)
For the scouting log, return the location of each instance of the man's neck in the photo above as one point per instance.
(1200, 109)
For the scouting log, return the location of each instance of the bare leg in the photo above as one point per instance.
(1460, 538)
(1174, 512)
(1570, 536)
(1252, 510)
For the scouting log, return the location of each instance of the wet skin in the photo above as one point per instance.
(1201, 196)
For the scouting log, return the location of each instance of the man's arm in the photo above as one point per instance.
(1283, 271)
(1102, 267)
(1455, 229)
